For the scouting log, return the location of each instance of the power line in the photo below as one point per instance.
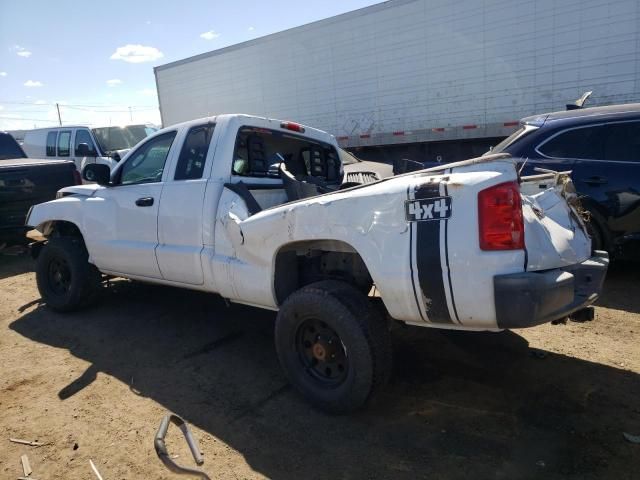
(31, 119)
(104, 105)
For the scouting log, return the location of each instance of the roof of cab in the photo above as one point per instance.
(229, 117)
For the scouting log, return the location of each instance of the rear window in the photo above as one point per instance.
(51, 143)
(9, 148)
(259, 152)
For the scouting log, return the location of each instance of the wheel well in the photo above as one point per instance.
(60, 228)
(301, 263)
(52, 229)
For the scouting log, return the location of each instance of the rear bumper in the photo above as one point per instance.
(532, 298)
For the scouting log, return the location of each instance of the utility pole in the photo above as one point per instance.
(130, 115)
(59, 119)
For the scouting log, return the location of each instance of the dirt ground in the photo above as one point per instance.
(547, 402)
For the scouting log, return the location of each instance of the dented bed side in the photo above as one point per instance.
(424, 265)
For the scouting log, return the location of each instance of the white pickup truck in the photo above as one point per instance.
(255, 210)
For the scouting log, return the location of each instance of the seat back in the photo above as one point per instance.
(256, 155)
(296, 189)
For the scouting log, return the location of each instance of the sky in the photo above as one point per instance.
(95, 59)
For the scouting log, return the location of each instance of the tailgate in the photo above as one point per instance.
(555, 232)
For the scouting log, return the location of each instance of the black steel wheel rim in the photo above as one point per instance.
(59, 276)
(322, 353)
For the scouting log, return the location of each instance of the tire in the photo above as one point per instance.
(333, 345)
(66, 280)
(597, 238)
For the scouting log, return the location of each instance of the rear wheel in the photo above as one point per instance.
(66, 280)
(333, 345)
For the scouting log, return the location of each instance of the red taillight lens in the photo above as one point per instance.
(294, 127)
(500, 217)
(76, 177)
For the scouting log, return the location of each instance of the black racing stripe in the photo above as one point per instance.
(413, 282)
(428, 255)
(446, 256)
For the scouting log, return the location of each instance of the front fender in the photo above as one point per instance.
(41, 217)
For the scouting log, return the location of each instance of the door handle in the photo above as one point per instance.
(596, 180)
(144, 202)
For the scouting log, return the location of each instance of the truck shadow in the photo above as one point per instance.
(622, 287)
(460, 404)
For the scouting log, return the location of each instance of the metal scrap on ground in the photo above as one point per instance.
(34, 443)
(95, 470)
(26, 466)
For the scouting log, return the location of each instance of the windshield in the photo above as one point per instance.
(119, 138)
(347, 158)
(520, 132)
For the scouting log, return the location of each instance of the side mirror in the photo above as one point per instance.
(82, 150)
(97, 173)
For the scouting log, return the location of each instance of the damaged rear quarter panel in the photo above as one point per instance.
(371, 220)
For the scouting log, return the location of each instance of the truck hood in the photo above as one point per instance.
(85, 190)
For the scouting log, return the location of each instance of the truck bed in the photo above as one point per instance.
(25, 182)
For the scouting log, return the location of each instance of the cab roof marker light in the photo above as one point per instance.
(294, 127)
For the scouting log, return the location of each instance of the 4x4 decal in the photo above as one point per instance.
(438, 208)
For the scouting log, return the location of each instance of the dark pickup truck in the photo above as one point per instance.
(25, 182)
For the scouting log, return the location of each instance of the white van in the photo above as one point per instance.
(84, 145)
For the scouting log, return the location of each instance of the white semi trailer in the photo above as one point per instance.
(407, 73)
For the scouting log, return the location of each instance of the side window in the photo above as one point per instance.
(146, 164)
(83, 136)
(64, 143)
(194, 153)
(51, 143)
(582, 143)
(622, 142)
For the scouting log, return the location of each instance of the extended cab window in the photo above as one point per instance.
(259, 152)
(581, 143)
(64, 143)
(194, 153)
(146, 164)
(51, 143)
(83, 136)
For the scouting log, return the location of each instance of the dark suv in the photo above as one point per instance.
(601, 146)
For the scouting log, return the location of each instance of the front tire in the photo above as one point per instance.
(334, 347)
(66, 280)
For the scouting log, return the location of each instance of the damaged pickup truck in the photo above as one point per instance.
(259, 211)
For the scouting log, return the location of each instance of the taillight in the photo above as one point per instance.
(500, 217)
(294, 127)
(76, 177)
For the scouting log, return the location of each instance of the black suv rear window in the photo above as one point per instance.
(584, 143)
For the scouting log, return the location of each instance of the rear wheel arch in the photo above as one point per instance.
(301, 263)
(597, 226)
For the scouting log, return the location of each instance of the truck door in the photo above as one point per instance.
(180, 219)
(123, 222)
(82, 135)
